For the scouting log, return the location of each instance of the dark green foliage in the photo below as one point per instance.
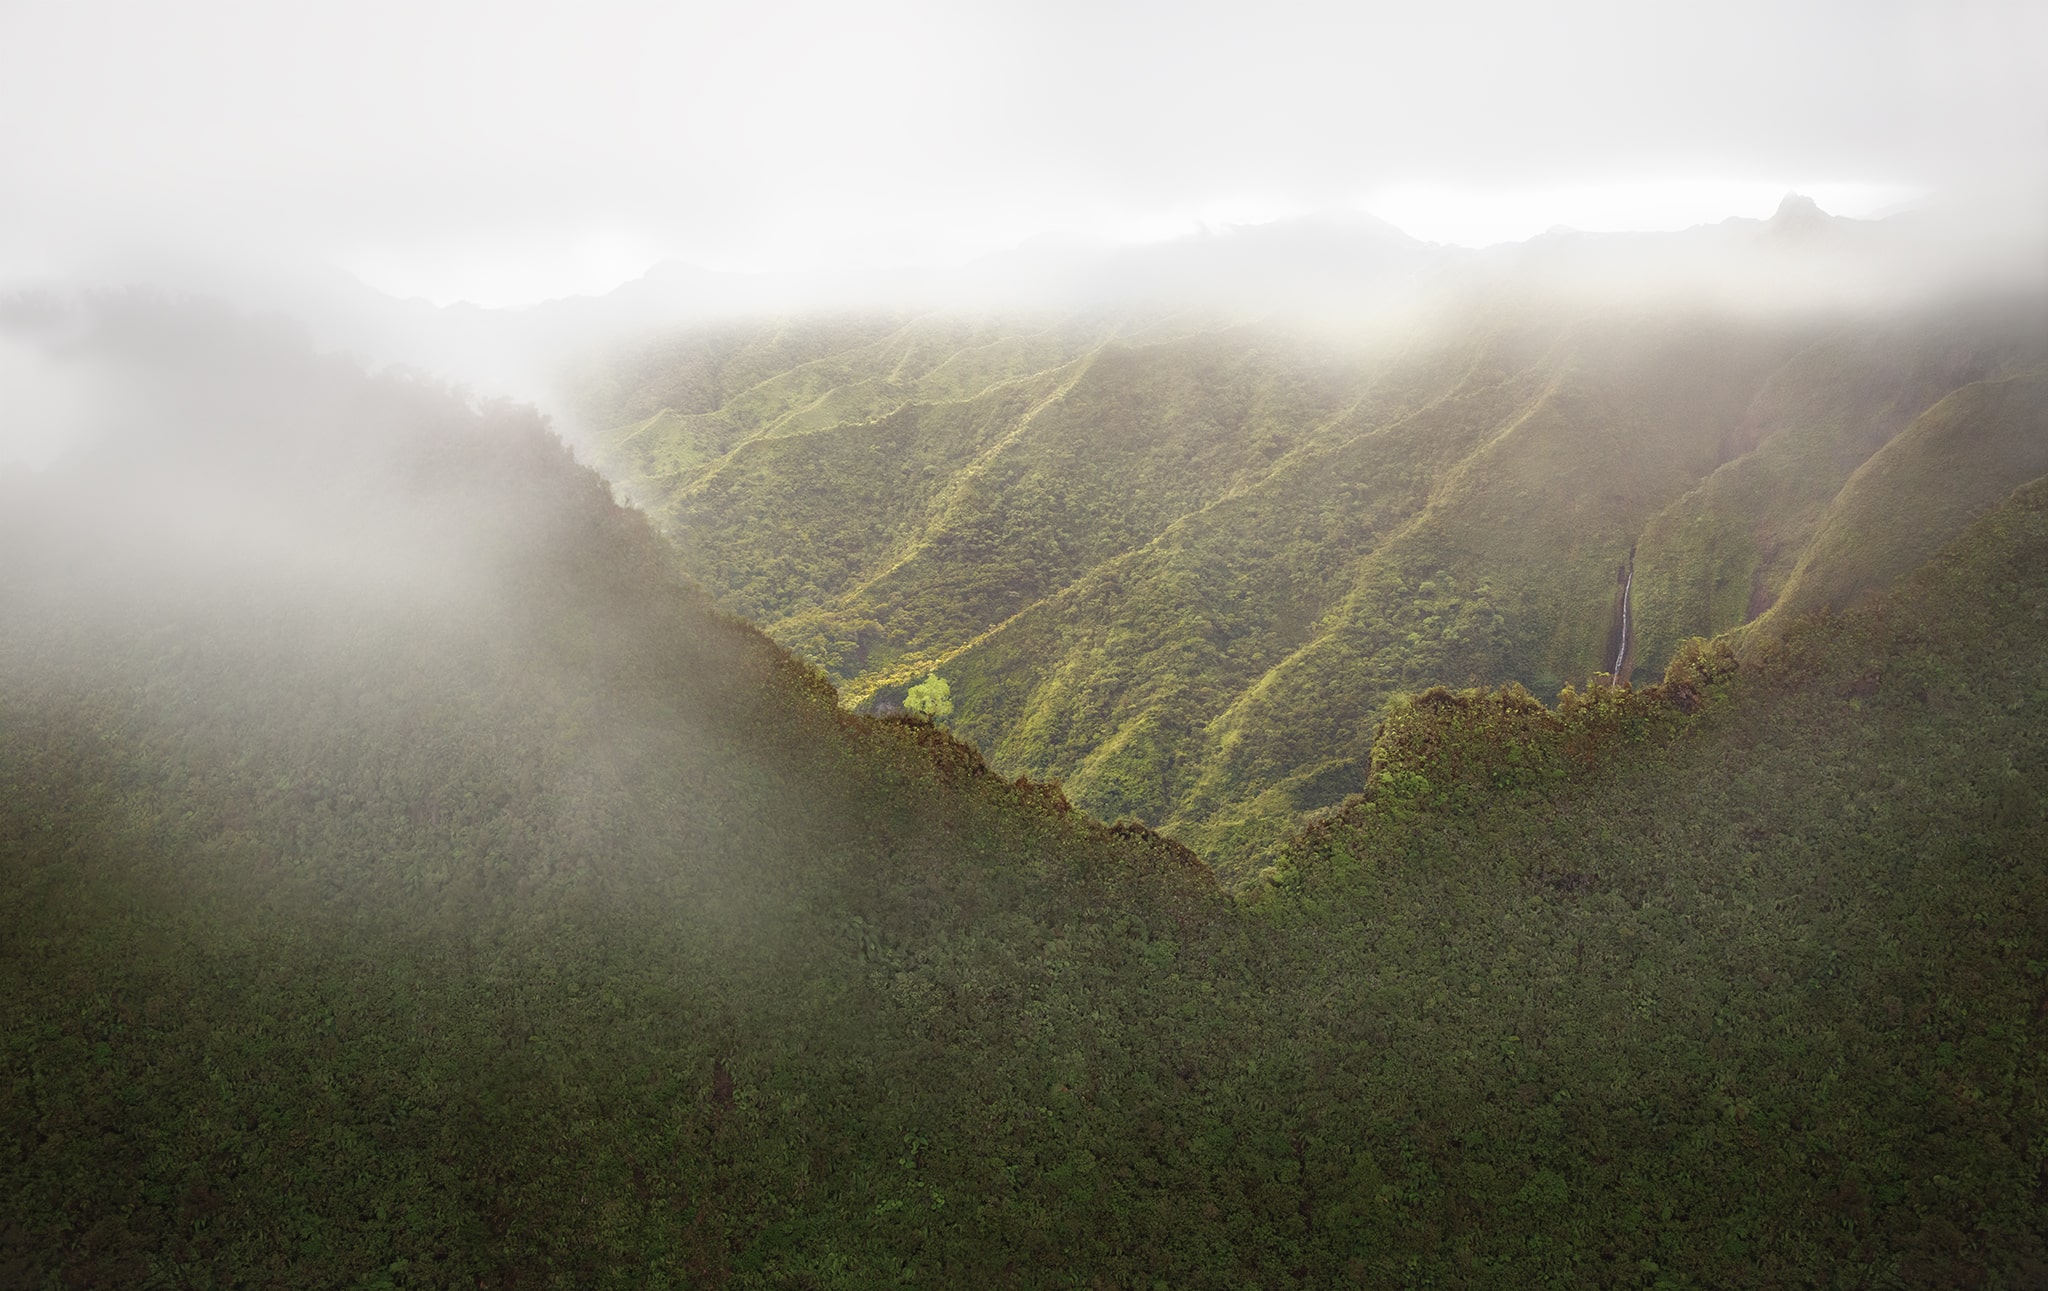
(1448, 751)
(1793, 953)
(1185, 570)
(522, 921)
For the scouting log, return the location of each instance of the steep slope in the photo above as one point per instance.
(688, 400)
(914, 527)
(408, 881)
(1722, 555)
(1185, 577)
(1506, 572)
(1788, 946)
(398, 854)
(1952, 464)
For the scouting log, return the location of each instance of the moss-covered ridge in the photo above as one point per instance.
(1184, 571)
(1447, 750)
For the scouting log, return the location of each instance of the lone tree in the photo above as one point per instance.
(931, 697)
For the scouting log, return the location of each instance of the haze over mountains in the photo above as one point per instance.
(1177, 521)
(1179, 548)
(1342, 269)
(1303, 732)
(411, 880)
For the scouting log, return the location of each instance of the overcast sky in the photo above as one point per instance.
(507, 151)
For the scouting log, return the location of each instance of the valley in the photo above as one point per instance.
(1182, 566)
(1110, 647)
(440, 889)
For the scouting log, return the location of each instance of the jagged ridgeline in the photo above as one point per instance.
(1183, 568)
(410, 881)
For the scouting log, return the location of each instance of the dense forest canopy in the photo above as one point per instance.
(412, 878)
(811, 647)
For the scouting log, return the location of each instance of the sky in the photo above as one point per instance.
(511, 151)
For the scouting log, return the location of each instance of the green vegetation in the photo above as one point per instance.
(1184, 571)
(441, 892)
(931, 698)
(1727, 552)
(1954, 462)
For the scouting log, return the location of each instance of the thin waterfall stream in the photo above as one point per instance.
(1627, 587)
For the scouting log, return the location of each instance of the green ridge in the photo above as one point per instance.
(1186, 577)
(443, 893)
(1952, 464)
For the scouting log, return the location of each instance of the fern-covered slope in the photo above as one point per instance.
(1185, 577)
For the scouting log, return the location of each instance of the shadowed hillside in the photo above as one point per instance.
(399, 853)
(410, 881)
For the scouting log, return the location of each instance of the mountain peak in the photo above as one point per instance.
(1798, 212)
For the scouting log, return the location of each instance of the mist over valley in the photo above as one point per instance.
(1031, 648)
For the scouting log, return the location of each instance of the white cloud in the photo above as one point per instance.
(483, 150)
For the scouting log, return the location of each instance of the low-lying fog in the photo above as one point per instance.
(641, 165)
(1334, 277)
